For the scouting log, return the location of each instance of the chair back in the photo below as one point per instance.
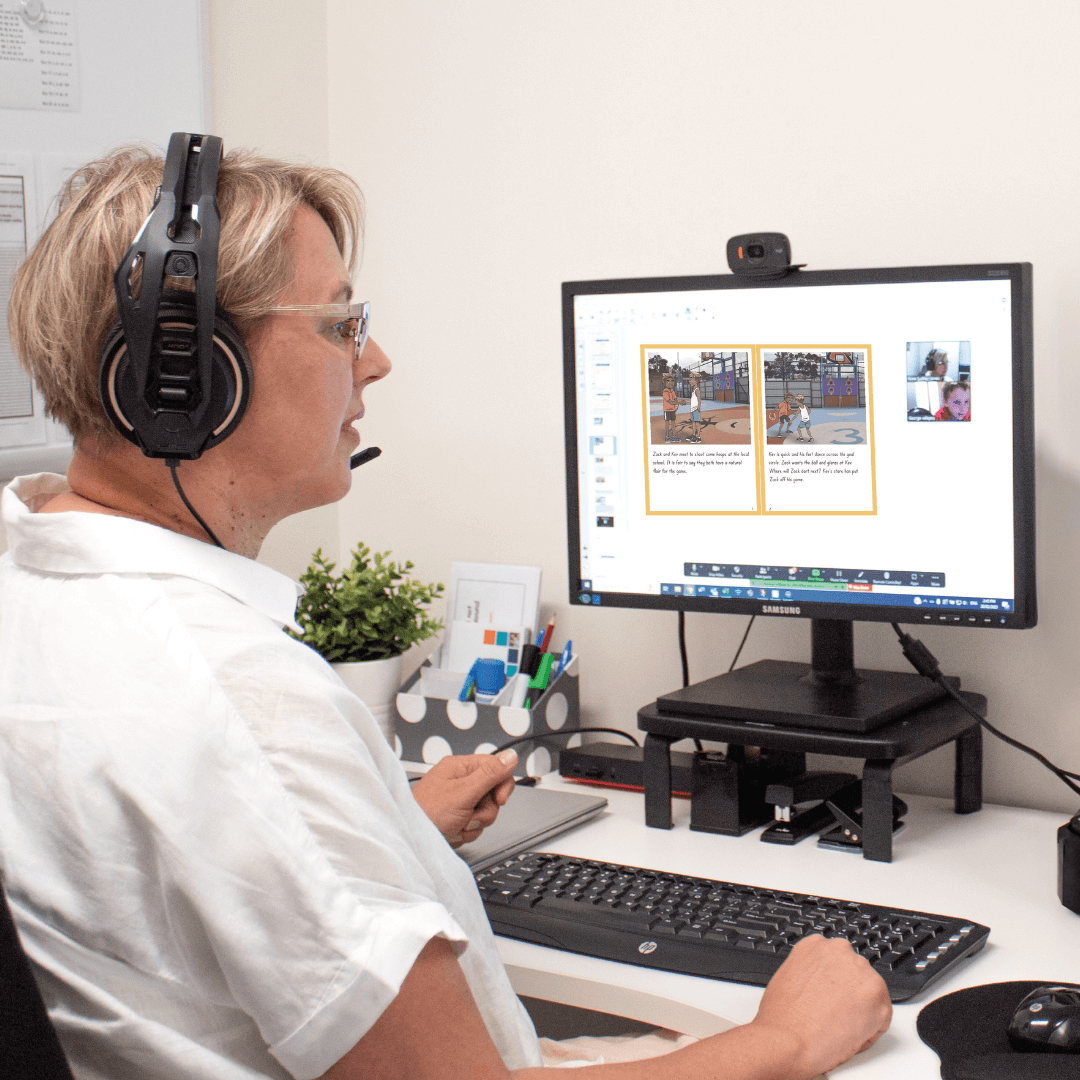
(29, 1048)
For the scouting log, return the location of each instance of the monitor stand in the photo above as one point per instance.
(829, 693)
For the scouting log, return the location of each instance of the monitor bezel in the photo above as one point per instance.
(1024, 614)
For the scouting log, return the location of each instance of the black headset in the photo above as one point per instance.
(175, 376)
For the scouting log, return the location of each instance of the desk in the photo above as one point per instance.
(998, 866)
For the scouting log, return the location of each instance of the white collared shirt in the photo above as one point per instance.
(212, 855)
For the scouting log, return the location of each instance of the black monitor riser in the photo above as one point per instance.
(829, 693)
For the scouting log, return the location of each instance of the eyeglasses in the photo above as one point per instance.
(353, 325)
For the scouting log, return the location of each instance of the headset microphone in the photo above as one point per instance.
(370, 454)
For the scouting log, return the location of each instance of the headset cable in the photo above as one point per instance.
(172, 464)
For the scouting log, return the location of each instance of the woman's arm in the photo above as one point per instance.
(824, 1004)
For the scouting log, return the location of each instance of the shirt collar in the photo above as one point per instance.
(79, 543)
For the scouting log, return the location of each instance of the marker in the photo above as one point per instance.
(530, 659)
(545, 637)
(538, 683)
(520, 684)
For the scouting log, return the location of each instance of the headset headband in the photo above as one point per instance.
(178, 239)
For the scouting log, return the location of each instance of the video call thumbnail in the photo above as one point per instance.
(938, 380)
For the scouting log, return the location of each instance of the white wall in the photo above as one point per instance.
(269, 92)
(505, 148)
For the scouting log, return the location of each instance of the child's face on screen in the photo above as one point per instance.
(958, 402)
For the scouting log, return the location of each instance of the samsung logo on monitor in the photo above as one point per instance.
(779, 609)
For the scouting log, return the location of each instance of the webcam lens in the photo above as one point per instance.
(755, 251)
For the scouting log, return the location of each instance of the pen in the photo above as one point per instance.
(545, 637)
(565, 658)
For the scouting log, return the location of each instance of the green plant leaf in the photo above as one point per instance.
(372, 610)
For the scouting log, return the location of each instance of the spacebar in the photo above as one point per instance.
(614, 918)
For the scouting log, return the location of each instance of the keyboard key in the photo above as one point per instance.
(668, 927)
(528, 898)
(891, 961)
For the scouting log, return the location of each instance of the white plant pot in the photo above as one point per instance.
(375, 683)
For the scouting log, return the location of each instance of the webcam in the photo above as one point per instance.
(764, 254)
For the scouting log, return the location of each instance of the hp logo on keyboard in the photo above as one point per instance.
(646, 947)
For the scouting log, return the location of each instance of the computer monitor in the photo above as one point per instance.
(830, 445)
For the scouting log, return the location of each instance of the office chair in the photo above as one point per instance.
(29, 1048)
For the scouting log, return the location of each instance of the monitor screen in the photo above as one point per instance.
(852, 444)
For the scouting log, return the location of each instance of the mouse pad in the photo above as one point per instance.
(967, 1031)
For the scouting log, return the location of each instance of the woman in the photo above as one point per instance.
(216, 863)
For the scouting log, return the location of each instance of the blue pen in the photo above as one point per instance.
(565, 658)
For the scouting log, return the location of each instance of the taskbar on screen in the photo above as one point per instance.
(986, 610)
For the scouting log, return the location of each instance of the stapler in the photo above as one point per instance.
(848, 833)
(792, 825)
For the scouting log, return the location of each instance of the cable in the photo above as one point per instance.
(172, 463)
(686, 665)
(742, 643)
(682, 650)
(558, 734)
(925, 663)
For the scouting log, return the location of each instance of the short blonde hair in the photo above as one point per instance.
(62, 301)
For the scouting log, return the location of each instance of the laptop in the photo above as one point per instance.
(531, 816)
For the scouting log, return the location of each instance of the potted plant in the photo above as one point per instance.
(363, 620)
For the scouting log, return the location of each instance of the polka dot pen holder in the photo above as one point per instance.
(429, 728)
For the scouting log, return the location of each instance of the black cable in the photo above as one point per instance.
(172, 463)
(925, 663)
(559, 734)
(742, 643)
(682, 650)
(686, 664)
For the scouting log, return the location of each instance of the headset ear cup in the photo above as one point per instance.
(112, 357)
(230, 380)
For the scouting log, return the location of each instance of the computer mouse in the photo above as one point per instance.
(1047, 1021)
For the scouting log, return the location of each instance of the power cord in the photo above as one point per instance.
(925, 663)
(686, 666)
(563, 734)
(738, 651)
(172, 464)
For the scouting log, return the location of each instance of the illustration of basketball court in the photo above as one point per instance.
(846, 427)
(722, 422)
(831, 383)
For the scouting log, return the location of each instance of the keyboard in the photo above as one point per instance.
(715, 929)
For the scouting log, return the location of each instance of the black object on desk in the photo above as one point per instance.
(716, 929)
(893, 744)
(968, 1031)
(828, 693)
(791, 824)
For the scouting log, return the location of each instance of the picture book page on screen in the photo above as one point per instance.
(824, 430)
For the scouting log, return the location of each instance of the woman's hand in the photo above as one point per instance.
(462, 793)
